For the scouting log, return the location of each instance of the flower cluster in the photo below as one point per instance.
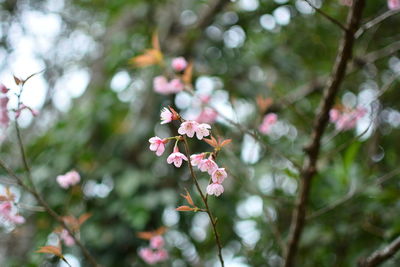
(8, 212)
(269, 120)
(71, 178)
(155, 252)
(161, 84)
(346, 119)
(191, 129)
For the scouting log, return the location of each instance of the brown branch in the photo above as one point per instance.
(205, 202)
(381, 255)
(313, 149)
(375, 21)
(325, 15)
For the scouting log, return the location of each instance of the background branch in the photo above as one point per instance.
(313, 149)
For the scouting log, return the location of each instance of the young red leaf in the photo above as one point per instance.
(185, 208)
(188, 198)
(51, 250)
(225, 142)
(84, 217)
(187, 75)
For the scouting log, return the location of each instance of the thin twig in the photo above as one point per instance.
(352, 194)
(325, 15)
(205, 202)
(381, 255)
(375, 21)
(313, 149)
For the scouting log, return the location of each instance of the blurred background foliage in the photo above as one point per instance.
(97, 114)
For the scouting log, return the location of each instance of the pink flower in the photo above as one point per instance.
(158, 145)
(160, 84)
(148, 255)
(219, 175)
(202, 130)
(166, 116)
(6, 211)
(195, 159)
(67, 238)
(346, 119)
(161, 255)
(269, 120)
(208, 165)
(188, 128)
(69, 179)
(179, 64)
(393, 4)
(4, 118)
(215, 189)
(175, 86)
(157, 242)
(176, 157)
(207, 115)
(3, 89)
(334, 115)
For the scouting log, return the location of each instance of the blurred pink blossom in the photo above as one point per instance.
(215, 189)
(158, 145)
(148, 255)
(67, 238)
(69, 179)
(162, 86)
(179, 64)
(6, 211)
(157, 242)
(269, 120)
(176, 158)
(346, 119)
(393, 4)
(207, 115)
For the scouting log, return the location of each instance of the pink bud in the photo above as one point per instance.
(179, 64)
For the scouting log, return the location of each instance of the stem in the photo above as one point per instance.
(313, 149)
(204, 199)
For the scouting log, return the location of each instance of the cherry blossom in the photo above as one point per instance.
(148, 255)
(269, 120)
(67, 238)
(176, 158)
(195, 159)
(157, 242)
(393, 4)
(69, 179)
(166, 116)
(346, 119)
(162, 86)
(161, 255)
(179, 64)
(202, 130)
(6, 212)
(219, 175)
(158, 145)
(4, 117)
(189, 128)
(208, 165)
(215, 189)
(207, 115)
